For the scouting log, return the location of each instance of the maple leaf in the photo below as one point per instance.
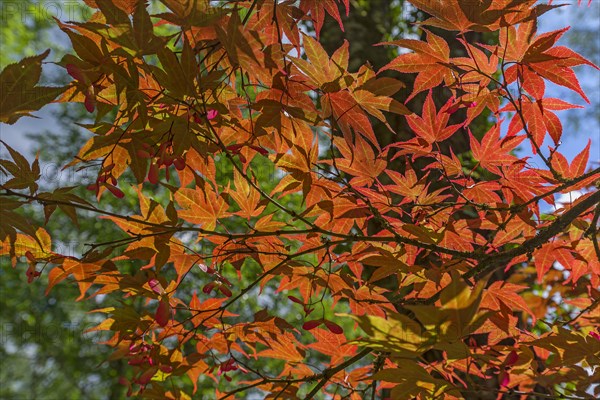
(361, 162)
(429, 60)
(539, 119)
(350, 117)
(317, 8)
(406, 185)
(478, 15)
(323, 72)
(284, 348)
(432, 125)
(246, 196)
(505, 293)
(373, 104)
(20, 95)
(540, 59)
(559, 74)
(81, 271)
(201, 207)
(494, 152)
(126, 6)
(577, 167)
(331, 344)
(478, 67)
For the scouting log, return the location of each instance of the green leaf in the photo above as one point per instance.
(413, 380)
(143, 30)
(114, 15)
(85, 47)
(174, 78)
(397, 334)
(19, 95)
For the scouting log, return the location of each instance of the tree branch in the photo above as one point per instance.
(492, 261)
(323, 376)
(328, 373)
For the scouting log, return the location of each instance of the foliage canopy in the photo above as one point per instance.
(419, 268)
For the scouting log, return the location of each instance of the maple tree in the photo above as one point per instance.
(390, 254)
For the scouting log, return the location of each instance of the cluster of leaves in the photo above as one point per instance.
(404, 241)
